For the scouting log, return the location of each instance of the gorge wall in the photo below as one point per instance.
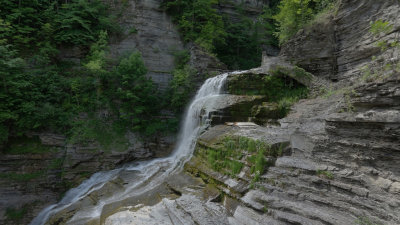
(337, 150)
(149, 29)
(337, 46)
(331, 160)
(32, 180)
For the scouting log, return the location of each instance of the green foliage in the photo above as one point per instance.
(132, 30)
(182, 85)
(235, 167)
(244, 142)
(269, 24)
(294, 14)
(260, 165)
(28, 98)
(245, 37)
(109, 135)
(80, 21)
(347, 100)
(10, 72)
(21, 177)
(380, 27)
(56, 164)
(279, 88)
(227, 155)
(16, 214)
(235, 43)
(25, 145)
(40, 92)
(252, 145)
(49, 98)
(326, 174)
(181, 58)
(242, 46)
(96, 58)
(40, 23)
(364, 221)
(383, 45)
(198, 21)
(220, 161)
(136, 92)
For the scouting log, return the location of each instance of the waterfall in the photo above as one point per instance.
(148, 174)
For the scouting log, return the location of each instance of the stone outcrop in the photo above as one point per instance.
(332, 160)
(147, 28)
(339, 167)
(251, 8)
(33, 180)
(332, 164)
(337, 46)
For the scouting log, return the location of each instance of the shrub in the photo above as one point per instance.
(236, 43)
(136, 92)
(181, 87)
(325, 174)
(35, 23)
(294, 14)
(198, 21)
(380, 27)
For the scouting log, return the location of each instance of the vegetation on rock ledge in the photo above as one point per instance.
(294, 15)
(230, 154)
(238, 44)
(42, 91)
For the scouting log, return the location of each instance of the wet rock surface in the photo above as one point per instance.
(337, 160)
(338, 169)
(31, 181)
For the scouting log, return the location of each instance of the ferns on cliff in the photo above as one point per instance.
(38, 91)
(198, 21)
(236, 42)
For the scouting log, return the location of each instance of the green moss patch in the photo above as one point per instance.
(16, 214)
(21, 177)
(24, 145)
(325, 174)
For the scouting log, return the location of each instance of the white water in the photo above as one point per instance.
(148, 174)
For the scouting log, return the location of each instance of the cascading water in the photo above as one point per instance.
(148, 174)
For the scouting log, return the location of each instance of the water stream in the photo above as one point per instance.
(148, 174)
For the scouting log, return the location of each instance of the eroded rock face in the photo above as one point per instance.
(252, 8)
(150, 30)
(31, 181)
(337, 47)
(339, 168)
(340, 165)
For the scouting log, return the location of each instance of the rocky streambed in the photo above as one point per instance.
(329, 159)
(322, 164)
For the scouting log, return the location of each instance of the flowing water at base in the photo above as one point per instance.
(147, 174)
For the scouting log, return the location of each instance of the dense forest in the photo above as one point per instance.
(41, 91)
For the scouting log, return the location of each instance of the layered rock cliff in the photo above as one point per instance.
(31, 181)
(337, 153)
(337, 45)
(331, 160)
(36, 171)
